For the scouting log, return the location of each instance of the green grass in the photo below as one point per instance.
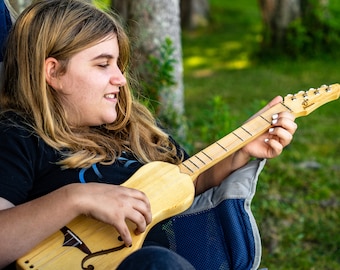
(296, 207)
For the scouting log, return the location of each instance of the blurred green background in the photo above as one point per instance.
(298, 195)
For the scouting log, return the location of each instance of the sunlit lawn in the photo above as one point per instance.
(297, 202)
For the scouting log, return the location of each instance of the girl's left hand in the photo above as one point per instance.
(271, 143)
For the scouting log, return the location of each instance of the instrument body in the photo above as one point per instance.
(170, 192)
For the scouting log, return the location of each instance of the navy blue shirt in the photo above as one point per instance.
(29, 169)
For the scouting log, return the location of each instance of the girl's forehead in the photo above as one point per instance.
(105, 48)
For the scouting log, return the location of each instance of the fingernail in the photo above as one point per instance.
(275, 116)
(266, 140)
(274, 121)
(271, 130)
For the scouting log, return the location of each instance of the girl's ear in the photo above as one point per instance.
(51, 74)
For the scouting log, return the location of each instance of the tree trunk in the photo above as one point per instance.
(194, 13)
(150, 23)
(278, 14)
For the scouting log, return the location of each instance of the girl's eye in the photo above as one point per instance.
(103, 65)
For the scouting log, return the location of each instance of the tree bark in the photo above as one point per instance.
(194, 13)
(150, 23)
(278, 14)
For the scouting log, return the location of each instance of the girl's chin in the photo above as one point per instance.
(110, 120)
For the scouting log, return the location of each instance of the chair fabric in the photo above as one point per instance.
(5, 25)
(219, 230)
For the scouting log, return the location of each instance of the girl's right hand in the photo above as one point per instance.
(113, 205)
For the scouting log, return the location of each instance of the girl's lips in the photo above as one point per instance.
(110, 96)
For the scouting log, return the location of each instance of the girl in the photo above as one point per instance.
(68, 118)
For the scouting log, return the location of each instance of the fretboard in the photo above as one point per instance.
(232, 142)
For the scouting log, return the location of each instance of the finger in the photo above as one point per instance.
(142, 205)
(286, 121)
(275, 147)
(287, 115)
(136, 208)
(145, 210)
(123, 229)
(281, 135)
(138, 219)
(124, 233)
(135, 216)
(139, 195)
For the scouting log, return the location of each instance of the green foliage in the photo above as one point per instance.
(297, 203)
(156, 85)
(316, 32)
(158, 74)
(158, 79)
(217, 121)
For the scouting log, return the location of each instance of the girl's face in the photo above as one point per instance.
(89, 89)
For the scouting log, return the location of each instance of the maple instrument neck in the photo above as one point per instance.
(230, 143)
(300, 104)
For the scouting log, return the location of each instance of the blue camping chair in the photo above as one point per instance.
(219, 230)
(5, 25)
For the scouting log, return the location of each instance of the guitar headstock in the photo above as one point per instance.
(304, 102)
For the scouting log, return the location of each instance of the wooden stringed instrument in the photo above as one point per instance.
(86, 243)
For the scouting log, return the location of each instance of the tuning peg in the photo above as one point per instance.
(328, 88)
(314, 91)
(291, 96)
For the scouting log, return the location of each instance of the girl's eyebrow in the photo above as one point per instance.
(104, 55)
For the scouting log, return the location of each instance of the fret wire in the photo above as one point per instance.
(238, 136)
(200, 159)
(206, 155)
(265, 119)
(193, 163)
(225, 149)
(286, 107)
(247, 131)
(186, 166)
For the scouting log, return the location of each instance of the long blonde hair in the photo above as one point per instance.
(60, 29)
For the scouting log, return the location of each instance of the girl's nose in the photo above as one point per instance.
(118, 78)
